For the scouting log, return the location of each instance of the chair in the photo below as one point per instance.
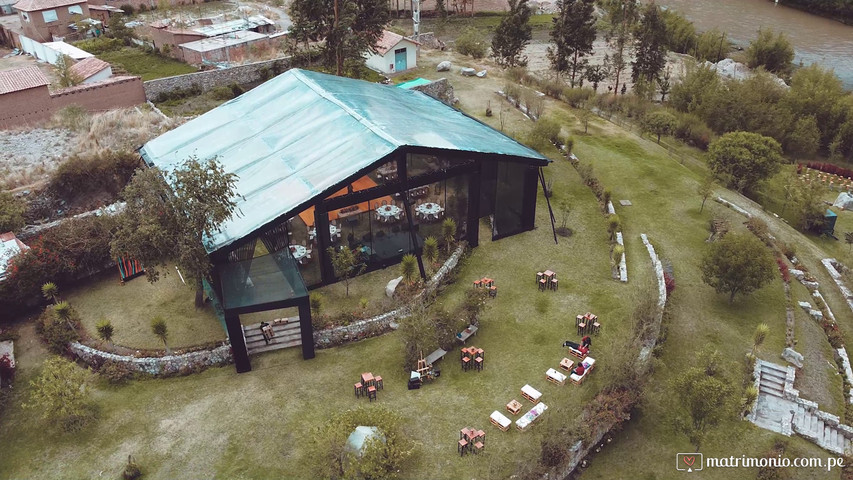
(493, 291)
(371, 393)
(482, 436)
(581, 328)
(384, 202)
(543, 283)
(378, 381)
(463, 447)
(554, 284)
(478, 363)
(466, 363)
(359, 389)
(596, 328)
(539, 276)
(578, 320)
(478, 283)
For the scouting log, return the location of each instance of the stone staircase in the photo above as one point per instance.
(779, 408)
(287, 334)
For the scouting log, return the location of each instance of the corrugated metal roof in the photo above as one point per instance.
(21, 79)
(88, 67)
(302, 133)
(36, 5)
(234, 25)
(222, 41)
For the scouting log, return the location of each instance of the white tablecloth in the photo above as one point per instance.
(386, 212)
(532, 392)
(429, 209)
(298, 252)
(334, 230)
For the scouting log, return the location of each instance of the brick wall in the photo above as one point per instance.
(38, 104)
(236, 53)
(241, 74)
(478, 5)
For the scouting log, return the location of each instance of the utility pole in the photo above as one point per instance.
(416, 18)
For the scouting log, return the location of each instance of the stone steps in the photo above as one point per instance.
(288, 333)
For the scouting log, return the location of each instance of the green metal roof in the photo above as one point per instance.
(302, 133)
(414, 83)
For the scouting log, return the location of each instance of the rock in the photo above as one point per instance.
(443, 66)
(805, 305)
(467, 72)
(481, 74)
(798, 274)
(816, 314)
(392, 285)
(811, 285)
(792, 357)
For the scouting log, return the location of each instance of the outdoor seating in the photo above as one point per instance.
(499, 420)
(513, 407)
(493, 292)
(530, 394)
(478, 447)
(478, 363)
(530, 416)
(371, 393)
(589, 365)
(554, 376)
(378, 380)
(464, 335)
(577, 353)
(581, 328)
(463, 447)
(596, 328)
(359, 390)
(567, 364)
(367, 379)
(543, 283)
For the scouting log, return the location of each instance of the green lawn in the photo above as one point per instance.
(147, 65)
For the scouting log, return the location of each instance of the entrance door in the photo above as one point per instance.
(400, 60)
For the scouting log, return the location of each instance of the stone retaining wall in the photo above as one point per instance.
(156, 366)
(440, 90)
(241, 74)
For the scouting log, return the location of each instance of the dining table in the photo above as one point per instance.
(298, 252)
(429, 210)
(334, 232)
(386, 213)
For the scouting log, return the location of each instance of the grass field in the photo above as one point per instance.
(147, 65)
(222, 425)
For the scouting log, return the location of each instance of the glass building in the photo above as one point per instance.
(329, 162)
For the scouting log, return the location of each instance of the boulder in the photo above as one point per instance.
(392, 286)
(467, 72)
(793, 357)
(816, 314)
(443, 66)
(798, 274)
(811, 285)
(805, 306)
(844, 201)
(481, 74)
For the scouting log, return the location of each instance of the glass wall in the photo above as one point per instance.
(433, 203)
(509, 198)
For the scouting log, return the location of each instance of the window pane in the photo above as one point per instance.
(49, 15)
(509, 198)
(75, 9)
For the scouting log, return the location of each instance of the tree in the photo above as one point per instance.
(808, 204)
(472, 43)
(430, 251)
(680, 32)
(347, 265)
(105, 330)
(743, 159)
(817, 92)
(584, 115)
(659, 123)
(50, 292)
(664, 85)
(848, 238)
(573, 33)
(595, 74)
(620, 17)
(512, 35)
(448, 232)
(61, 393)
(649, 45)
(775, 53)
(804, 140)
(168, 215)
(705, 398)
(441, 8)
(705, 190)
(738, 263)
(117, 29)
(696, 91)
(347, 28)
(160, 330)
(12, 212)
(409, 268)
(712, 46)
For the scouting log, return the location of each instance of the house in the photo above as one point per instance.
(9, 247)
(231, 47)
(325, 161)
(91, 70)
(103, 13)
(48, 20)
(394, 53)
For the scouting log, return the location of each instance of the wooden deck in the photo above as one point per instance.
(287, 334)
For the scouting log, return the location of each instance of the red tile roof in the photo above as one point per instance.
(36, 5)
(390, 40)
(21, 79)
(89, 66)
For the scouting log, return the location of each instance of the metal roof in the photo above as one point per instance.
(302, 133)
(36, 5)
(21, 79)
(222, 41)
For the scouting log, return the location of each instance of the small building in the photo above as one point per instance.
(232, 47)
(254, 23)
(63, 48)
(9, 247)
(48, 20)
(103, 13)
(23, 94)
(6, 7)
(325, 162)
(394, 53)
(92, 69)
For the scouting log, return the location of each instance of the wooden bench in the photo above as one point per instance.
(464, 335)
(578, 379)
(499, 420)
(530, 393)
(554, 376)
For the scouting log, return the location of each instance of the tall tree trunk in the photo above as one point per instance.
(732, 296)
(574, 67)
(199, 294)
(338, 59)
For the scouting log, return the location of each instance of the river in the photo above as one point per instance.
(815, 39)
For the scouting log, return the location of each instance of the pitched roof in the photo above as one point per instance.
(301, 134)
(390, 40)
(36, 5)
(21, 79)
(89, 66)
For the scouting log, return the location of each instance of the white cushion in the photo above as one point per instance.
(500, 418)
(532, 392)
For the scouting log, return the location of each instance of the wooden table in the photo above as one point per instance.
(513, 407)
(367, 379)
(567, 364)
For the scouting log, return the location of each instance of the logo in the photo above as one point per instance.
(689, 462)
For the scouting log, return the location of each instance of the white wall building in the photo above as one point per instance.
(394, 54)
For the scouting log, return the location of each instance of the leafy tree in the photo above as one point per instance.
(441, 8)
(117, 29)
(12, 212)
(705, 190)
(680, 32)
(804, 140)
(573, 33)
(472, 43)
(775, 53)
(620, 18)
(706, 400)
(409, 268)
(808, 205)
(659, 123)
(743, 159)
(167, 219)
(448, 232)
(512, 35)
(430, 251)
(696, 91)
(664, 85)
(848, 238)
(60, 392)
(712, 46)
(817, 92)
(347, 28)
(50, 292)
(595, 74)
(160, 330)
(649, 45)
(105, 330)
(347, 265)
(738, 263)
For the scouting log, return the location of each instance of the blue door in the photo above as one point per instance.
(400, 60)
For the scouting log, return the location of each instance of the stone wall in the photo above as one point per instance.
(157, 366)
(440, 90)
(241, 74)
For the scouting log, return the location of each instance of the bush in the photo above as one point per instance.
(758, 227)
(692, 130)
(221, 93)
(834, 337)
(516, 74)
(472, 43)
(56, 333)
(577, 97)
(12, 211)
(548, 129)
(117, 373)
(475, 300)
(73, 117)
(100, 45)
(316, 301)
(534, 103)
(669, 283)
(783, 269)
(513, 93)
(106, 171)
(131, 470)
(193, 90)
(127, 9)
(553, 87)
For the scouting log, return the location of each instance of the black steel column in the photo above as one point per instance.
(238, 343)
(528, 209)
(324, 241)
(306, 328)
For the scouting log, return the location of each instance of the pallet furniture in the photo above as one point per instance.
(567, 365)
(530, 416)
(576, 353)
(513, 407)
(589, 363)
(554, 376)
(499, 420)
(530, 393)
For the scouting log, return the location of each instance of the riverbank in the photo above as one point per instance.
(836, 10)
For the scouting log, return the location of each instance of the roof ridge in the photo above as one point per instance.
(331, 98)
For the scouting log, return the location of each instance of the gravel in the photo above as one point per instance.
(27, 157)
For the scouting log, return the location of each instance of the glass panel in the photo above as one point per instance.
(509, 198)
(488, 179)
(301, 245)
(429, 207)
(417, 164)
(457, 203)
(390, 236)
(271, 278)
(49, 16)
(75, 9)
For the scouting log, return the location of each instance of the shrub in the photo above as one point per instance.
(127, 9)
(758, 227)
(618, 250)
(669, 283)
(316, 301)
(12, 211)
(475, 300)
(516, 74)
(105, 171)
(132, 470)
(568, 144)
(577, 97)
(55, 332)
(692, 130)
(193, 90)
(60, 393)
(553, 87)
(835, 338)
(100, 45)
(783, 269)
(105, 330)
(117, 373)
(547, 128)
(472, 43)
(409, 268)
(430, 251)
(513, 93)
(614, 224)
(534, 103)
